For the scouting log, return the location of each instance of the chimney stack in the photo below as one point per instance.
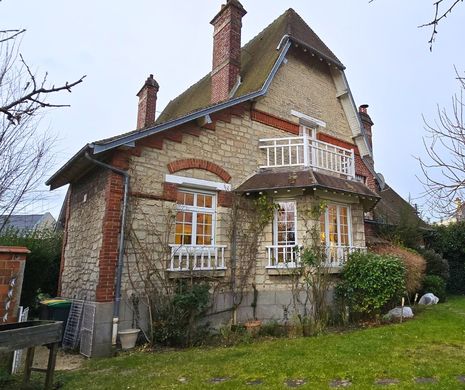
(226, 50)
(367, 123)
(147, 103)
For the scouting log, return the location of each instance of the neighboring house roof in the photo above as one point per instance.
(27, 222)
(261, 59)
(392, 208)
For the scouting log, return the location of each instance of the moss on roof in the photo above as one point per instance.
(257, 60)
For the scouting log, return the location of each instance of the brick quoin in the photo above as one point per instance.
(108, 256)
(195, 163)
(12, 263)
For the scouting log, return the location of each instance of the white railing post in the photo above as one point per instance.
(306, 149)
(352, 163)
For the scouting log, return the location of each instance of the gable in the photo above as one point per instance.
(305, 84)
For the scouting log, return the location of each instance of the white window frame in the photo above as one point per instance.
(338, 216)
(196, 209)
(275, 221)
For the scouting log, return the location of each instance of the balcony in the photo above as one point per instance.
(197, 258)
(287, 256)
(307, 152)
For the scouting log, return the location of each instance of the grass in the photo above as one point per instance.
(432, 345)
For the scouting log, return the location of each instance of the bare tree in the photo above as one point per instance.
(25, 151)
(444, 168)
(442, 9)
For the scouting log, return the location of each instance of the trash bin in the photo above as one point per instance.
(56, 309)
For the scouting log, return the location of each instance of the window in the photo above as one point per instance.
(195, 218)
(335, 226)
(284, 233)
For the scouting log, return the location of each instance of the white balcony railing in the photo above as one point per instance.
(307, 152)
(197, 258)
(282, 256)
(287, 256)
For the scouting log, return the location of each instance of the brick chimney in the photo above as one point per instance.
(226, 49)
(147, 103)
(367, 123)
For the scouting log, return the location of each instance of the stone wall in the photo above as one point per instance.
(305, 84)
(80, 274)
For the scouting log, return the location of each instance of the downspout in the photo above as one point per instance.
(119, 269)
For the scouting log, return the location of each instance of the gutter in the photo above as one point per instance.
(120, 264)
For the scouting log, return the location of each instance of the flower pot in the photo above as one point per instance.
(128, 338)
(253, 326)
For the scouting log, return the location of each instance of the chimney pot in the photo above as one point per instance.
(147, 103)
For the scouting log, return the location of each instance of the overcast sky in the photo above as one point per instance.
(118, 43)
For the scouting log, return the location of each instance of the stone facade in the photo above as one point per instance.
(84, 235)
(225, 152)
(305, 84)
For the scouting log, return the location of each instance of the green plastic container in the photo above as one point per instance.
(56, 309)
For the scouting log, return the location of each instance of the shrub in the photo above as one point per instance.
(448, 240)
(42, 264)
(415, 265)
(436, 264)
(176, 321)
(369, 282)
(436, 285)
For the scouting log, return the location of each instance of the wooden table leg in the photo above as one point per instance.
(28, 366)
(52, 358)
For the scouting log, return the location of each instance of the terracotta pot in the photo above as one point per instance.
(128, 338)
(253, 326)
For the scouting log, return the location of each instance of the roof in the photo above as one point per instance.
(257, 60)
(25, 222)
(274, 180)
(392, 208)
(261, 59)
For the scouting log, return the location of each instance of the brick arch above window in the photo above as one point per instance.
(195, 163)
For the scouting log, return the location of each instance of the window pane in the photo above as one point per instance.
(200, 200)
(208, 201)
(285, 225)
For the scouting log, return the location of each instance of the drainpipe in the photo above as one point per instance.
(119, 269)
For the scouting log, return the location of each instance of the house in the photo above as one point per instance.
(274, 118)
(27, 222)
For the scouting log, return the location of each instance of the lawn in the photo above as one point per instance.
(431, 346)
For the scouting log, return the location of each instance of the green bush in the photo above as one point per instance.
(370, 282)
(436, 264)
(42, 264)
(176, 320)
(448, 240)
(436, 285)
